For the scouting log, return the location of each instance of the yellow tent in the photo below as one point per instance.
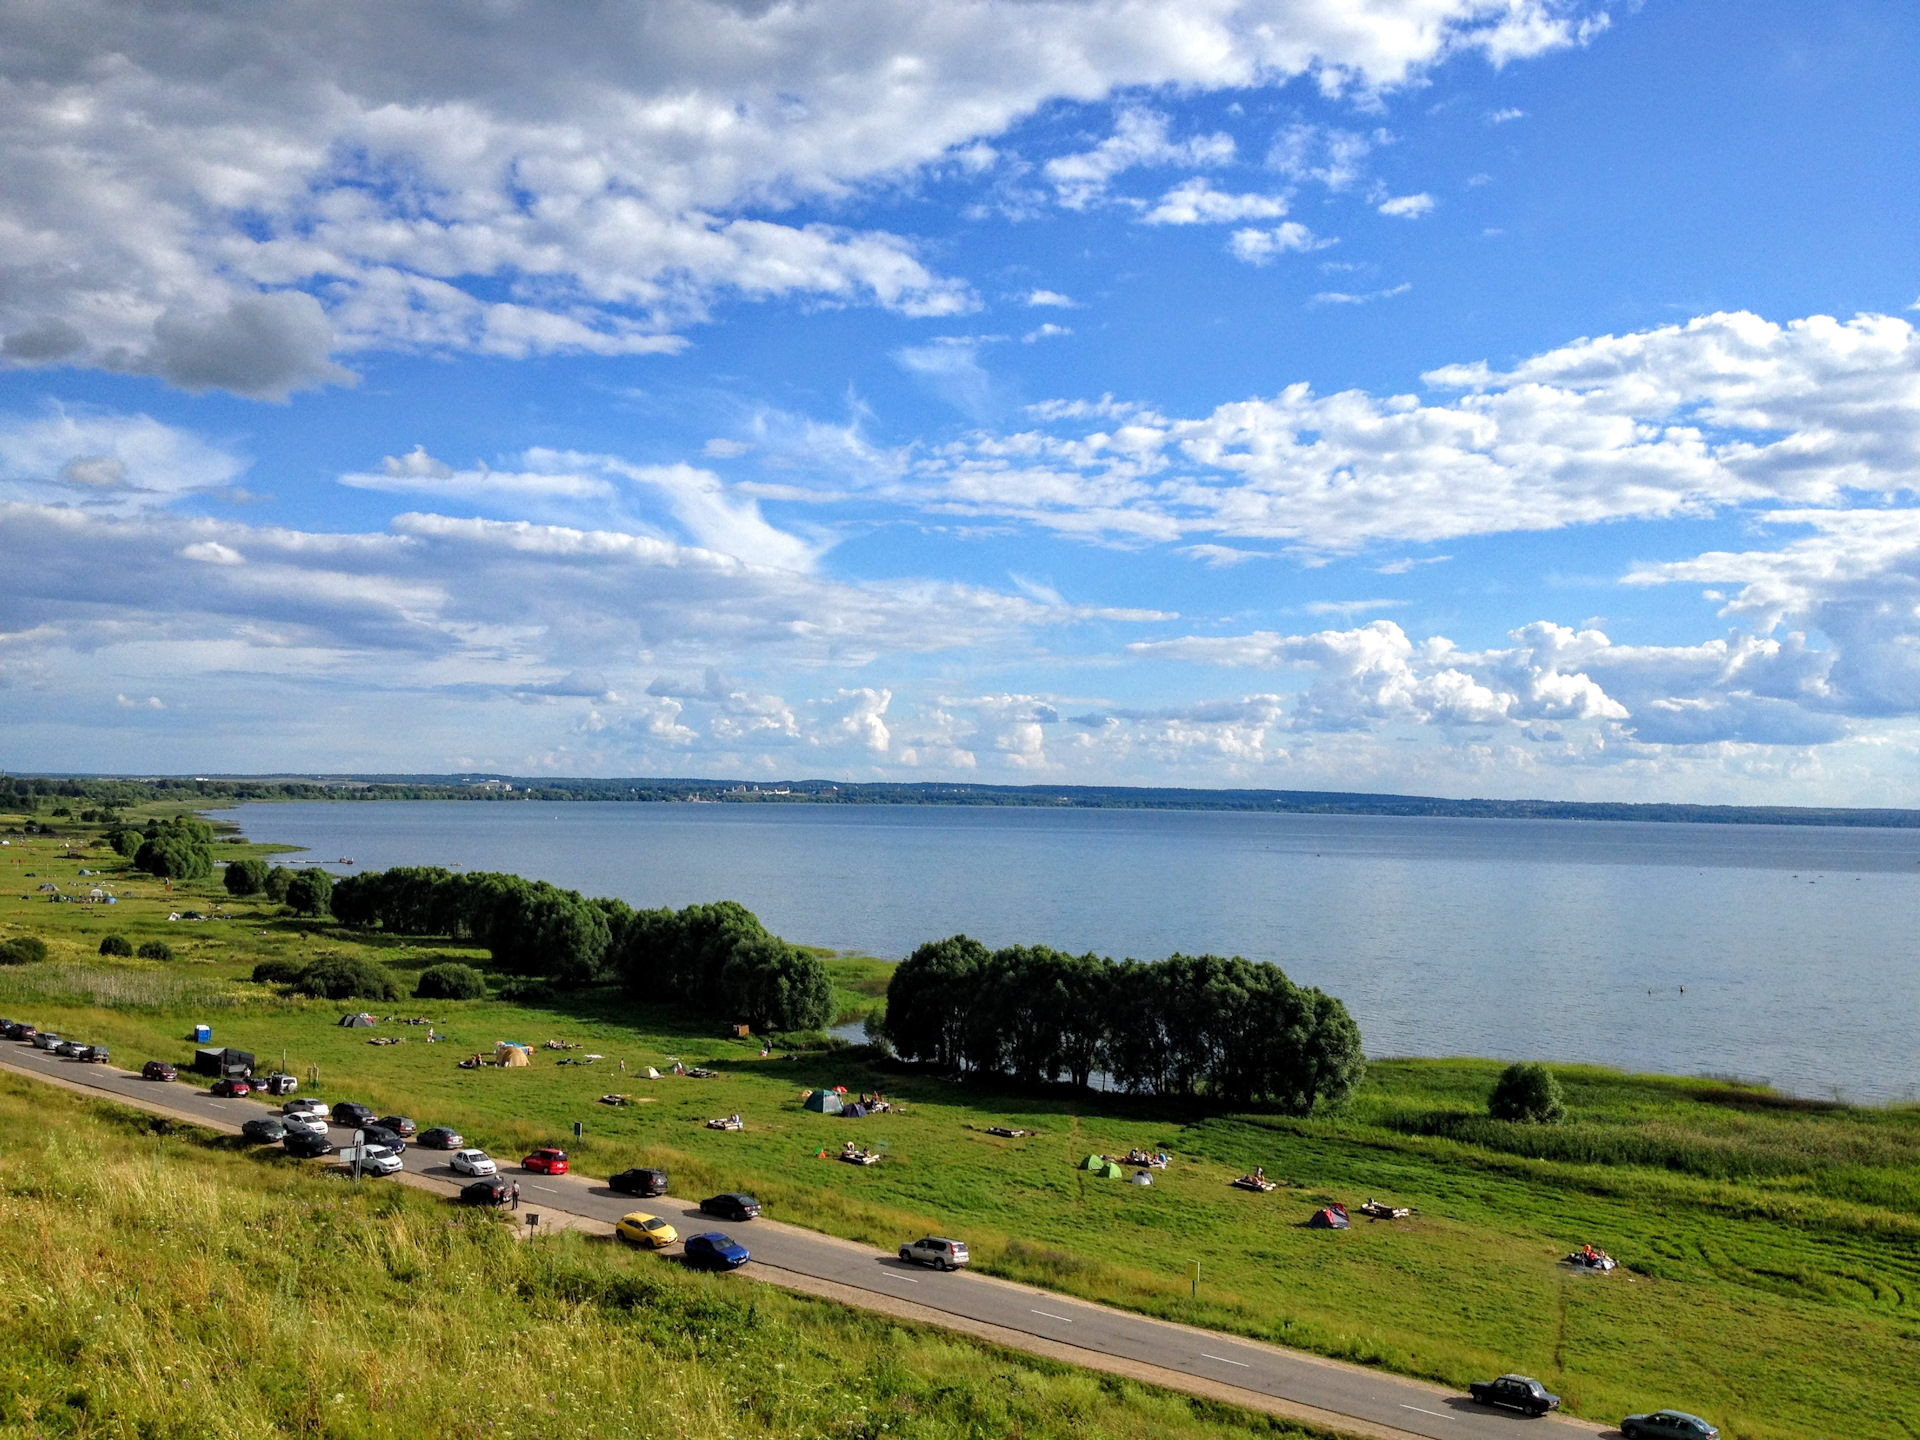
(509, 1056)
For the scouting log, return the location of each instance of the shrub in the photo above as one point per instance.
(349, 977)
(277, 971)
(127, 842)
(154, 950)
(276, 883)
(310, 892)
(23, 950)
(1528, 1093)
(117, 945)
(451, 982)
(246, 877)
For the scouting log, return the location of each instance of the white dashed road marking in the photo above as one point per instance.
(1051, 1316)
(1418, 1411)
(1225, 1361)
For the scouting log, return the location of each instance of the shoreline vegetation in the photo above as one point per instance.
(200, 792)
(1769, 1247)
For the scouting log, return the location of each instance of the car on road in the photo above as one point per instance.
(94, 1054)
(348, 1113)
(732, 1205)
(158, 1070)
(266, 1129)
(45, 1039)
(1515, 1392)
(547, 1160)
(472, 1162)
(399, 1125)
(16, 1030)
(644, 1229)
(379, 1160)
(232, 1086)
(640, 1181)
(441, 1138)
(491, 1191)
(307, 1147)
(383, 1137)
(305, 1105)
(710, 1250)
(1667, 1425)
(941, 1254)
(301, 1123)
(67, 1049)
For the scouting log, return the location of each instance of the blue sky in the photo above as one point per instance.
(1504, 397)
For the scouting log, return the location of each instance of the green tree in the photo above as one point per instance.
(154, 950)
(246, 877)
(450, 981)
(277, 970)
(929, 997)
(23, 950)
(172, 855)
(1527, 1092)
(276, 883)
(116, 945)
(310, 892)
(127, 843)
(348, 977)
(776, 986)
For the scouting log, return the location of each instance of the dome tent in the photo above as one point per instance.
(1103, 1167)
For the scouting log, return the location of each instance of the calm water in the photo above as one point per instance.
(1771, 953)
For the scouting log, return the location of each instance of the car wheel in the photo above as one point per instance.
(944, 1267)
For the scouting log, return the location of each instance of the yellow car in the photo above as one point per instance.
(644, 1229)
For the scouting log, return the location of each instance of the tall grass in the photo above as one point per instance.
(113, 987)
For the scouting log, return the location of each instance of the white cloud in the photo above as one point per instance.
(1335, 158)
(1506, 116)
(1363, 297)
(1047, 331)
(108, 463)
(1407, 207)
(1047, 297)
(152, 702)
(1258, 247)
(1140, 137)
(1196, 202)
(1220, 557)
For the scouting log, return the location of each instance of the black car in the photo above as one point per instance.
(639, 1181)
(386, 1139)
(348, 1113)
(731, 1206)
(1516, 1392)
(442, 1138)
(15, 1030)
(1667, 1425)
(158, 1070)
(307, 1147)
(490, 1191)
(265, 1129)
(399, 1125)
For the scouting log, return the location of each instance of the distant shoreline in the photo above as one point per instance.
(202, 790)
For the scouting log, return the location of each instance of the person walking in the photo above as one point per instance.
(513, 1195)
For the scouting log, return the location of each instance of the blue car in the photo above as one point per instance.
(715, 1251)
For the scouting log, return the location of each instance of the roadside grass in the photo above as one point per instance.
(1771, 1247)
(178, 1285)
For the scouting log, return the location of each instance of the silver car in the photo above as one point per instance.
(941, 1254)
(380, 1161)
(305, 1105)
(473, 1162)
(300, 1122)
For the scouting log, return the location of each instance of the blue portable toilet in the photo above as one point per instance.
(202, 1034)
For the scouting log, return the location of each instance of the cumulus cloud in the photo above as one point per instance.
(1196, 202)
(106, 462)
(1407, 207)
(1259, 247)
(232, 196)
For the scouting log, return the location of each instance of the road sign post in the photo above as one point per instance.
(576, 1129)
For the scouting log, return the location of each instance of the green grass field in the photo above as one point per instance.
(1771, 1248)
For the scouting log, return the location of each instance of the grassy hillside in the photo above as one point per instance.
(1771, 1247)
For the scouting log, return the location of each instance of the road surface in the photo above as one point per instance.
(1268, 1377)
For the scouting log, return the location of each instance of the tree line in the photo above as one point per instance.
(1201, 1026)
(717, 958)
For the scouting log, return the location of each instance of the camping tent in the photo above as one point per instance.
(824, 1102)
(362, 1021)
(855, 1111)
(218, 1061)
(1103, 1167)
(1334, 1217)
(652, 1074)
(511, 1056)
(1141, 1177)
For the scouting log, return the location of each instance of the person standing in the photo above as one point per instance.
(513, 1195)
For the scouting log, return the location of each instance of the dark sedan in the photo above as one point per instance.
(386, 1139)
(399, 1125)
(232, 1087)
(1667, 1425)
(307, 1147)
(731, 1206)
(158, 1070)
(441, 1138)
(491, 1191)
(1515, 1392)
(16, 1030)
(266, 1129)
(639, 1181)
(348, 1113)
(714, 1251)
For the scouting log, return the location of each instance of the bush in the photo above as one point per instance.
(154, 950)
(23, 950)
(246, 877)
(310, 892)
(117, 945)
(1528, 1093)
(451, 982)
(127, 842)
(277, 881)
(349, 977)
(173, 856)
(277, 971)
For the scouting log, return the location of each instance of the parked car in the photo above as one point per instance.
(1515, 1392)
(232, 1086)
(644, 1229)
(399, 1124)
(640, 1181)
(301, 1123)
(305, 1105)
(379, 1160)
(348, 1113)
(16, 1030)
(380, 1135)
(1667, 1425)
(307, 1147)
(711, 1250)
(941, 1254)
(441, 1138)
(731, 1206)
(278, 1083)
(158, 1070)
(472, 1162)
(45, 1039)
(93, 1054)
(547, 1160)
(266, 1129)
(491, 1191)
(67, 1049)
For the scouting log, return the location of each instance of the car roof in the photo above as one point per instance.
(639, 1217)
(1523, 1379)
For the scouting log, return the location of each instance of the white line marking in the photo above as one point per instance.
(548, 1188)
(1051, 1316)
(1418, 1411)
(1225, 1361)
(908, 1278)
(216, 1104)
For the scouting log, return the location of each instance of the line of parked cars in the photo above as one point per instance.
(53, 1044)
(1530, 1397)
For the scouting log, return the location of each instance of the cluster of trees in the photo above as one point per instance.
(23, 950)
(333, 977)
(1192, 1025)
(179, 848)
(308, 892)
(717, 958)
(120, 947)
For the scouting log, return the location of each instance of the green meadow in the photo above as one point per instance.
(1770, 1248)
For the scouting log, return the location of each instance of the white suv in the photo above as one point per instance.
(301, 1122)
(473, 1162)
(380, 1161)
(941, 1254)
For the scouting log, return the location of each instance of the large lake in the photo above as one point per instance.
(1774, 953)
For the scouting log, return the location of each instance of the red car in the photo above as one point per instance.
(232, 1086)
(546, 1161)
(159, 1070)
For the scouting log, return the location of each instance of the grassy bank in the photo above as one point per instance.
(180, 1286)
(1771, 1247)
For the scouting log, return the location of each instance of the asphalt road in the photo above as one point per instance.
(1381, 1401)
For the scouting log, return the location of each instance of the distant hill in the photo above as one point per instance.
(47, 791)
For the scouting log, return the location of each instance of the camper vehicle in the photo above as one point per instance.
(348, 1113)
(640, 1181)
(232, 1087)
(441, 1138)
(547, 1160)
(644, 1229)
(264, 1128)
(473, 1162)
(1515, 1392)
(731, 1206)
(158, 1070)
(1667, 1425)
(714, 1251)
(941, 1254)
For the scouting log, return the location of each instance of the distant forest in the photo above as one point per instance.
(45, 793)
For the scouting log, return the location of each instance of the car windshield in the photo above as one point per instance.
(653, 1225)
